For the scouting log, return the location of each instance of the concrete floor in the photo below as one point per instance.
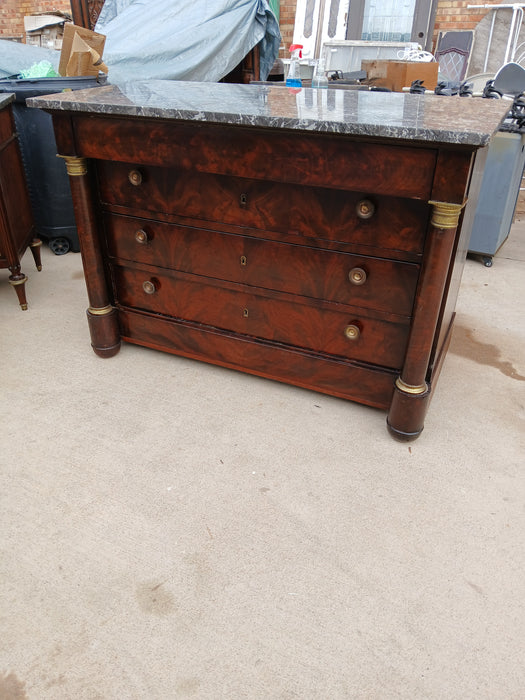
(170, 529)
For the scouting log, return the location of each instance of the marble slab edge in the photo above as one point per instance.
(6, 98)
(440, 119)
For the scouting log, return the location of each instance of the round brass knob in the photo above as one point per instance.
(365, 209)
(135, 177)
(357, 275)
(149, 287)
(141, 236)
(352, 331)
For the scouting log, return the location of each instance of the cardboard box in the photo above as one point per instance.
(81, 52)
(395, 75)
(45, 30)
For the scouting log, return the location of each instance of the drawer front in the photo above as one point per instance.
(351, 334)
(17, 211)
(6, 126)
(356, 381)
(356, 280)
(305, 158)
(311, 212)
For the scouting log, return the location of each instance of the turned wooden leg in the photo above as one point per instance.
(18, 281)
(35, 246)
(412, 392)
(102, 317)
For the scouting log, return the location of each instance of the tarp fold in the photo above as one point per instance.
(175, 40)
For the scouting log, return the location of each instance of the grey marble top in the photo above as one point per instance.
(6, 98)
(460, 120)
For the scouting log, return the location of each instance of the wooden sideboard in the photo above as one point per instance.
(269, 243)
(16, 220)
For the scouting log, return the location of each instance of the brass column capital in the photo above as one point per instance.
(445, 215)
(75, 166)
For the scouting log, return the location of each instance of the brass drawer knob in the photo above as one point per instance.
(141, 236)
(357, 276)
(365, 209)
(352, 331)
(149, 287)
(135, 177)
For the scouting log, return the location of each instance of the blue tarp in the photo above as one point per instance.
(202, 40)
(14, 57)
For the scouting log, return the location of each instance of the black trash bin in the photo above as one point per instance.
(47, 179)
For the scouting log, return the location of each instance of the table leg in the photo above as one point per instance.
(35, 246)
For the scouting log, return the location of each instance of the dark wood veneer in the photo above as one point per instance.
(234, 244)
(330, 160)
(16, 220)
(316, 213)
(264, 263)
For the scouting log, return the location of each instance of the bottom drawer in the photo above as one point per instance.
(325, 328)
(368, 385)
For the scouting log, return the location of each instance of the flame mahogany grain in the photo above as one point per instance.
(233, 245)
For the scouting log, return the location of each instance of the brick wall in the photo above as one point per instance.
(12, 13)
(451, 14)
(286, 23)
(454, 15)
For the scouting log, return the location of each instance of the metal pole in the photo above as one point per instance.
(517, 29)
(490, 40)
(319, 34)
(511, 32)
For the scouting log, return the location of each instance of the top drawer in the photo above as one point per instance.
(381, 222)
(301, 157)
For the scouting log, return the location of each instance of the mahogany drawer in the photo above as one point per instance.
(304, 158)
(313, 212)
(361, 281)
(326, 328)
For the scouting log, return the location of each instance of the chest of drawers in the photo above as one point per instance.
(320, 253)
(16, 220)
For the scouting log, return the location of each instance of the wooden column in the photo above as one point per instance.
(412, 392)
(102, 317)
(85, 12)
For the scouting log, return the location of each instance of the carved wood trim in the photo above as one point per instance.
(86, 12)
